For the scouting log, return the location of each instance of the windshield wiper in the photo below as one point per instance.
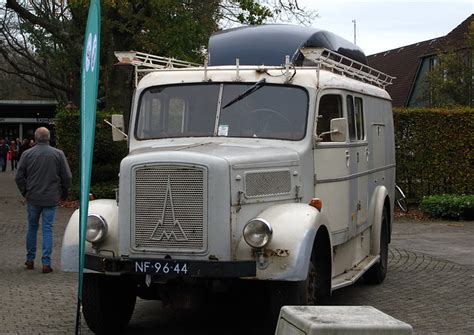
(255, 87)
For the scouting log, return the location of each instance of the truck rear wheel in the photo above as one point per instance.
(108, 302)
(377, 273)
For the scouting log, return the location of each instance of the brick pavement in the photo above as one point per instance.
(31, 302)
(434, 295)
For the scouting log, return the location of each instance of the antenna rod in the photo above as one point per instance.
(355, 31)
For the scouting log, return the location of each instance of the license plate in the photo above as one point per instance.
(167, 268)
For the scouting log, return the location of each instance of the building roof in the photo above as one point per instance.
(404, 62)
(27, 108)
(28, 102)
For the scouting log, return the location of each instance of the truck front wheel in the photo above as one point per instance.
(108, 302)
(315, 290)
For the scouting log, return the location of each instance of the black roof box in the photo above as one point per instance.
(269, 44)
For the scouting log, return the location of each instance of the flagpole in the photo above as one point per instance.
(89, 87)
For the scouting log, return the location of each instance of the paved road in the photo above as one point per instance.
(430, 284)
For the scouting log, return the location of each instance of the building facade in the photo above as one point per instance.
(20, 118)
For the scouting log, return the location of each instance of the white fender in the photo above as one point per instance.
(288, 253)
(376, 209)
(106, 208)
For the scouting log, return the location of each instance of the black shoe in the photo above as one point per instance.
(47, 269)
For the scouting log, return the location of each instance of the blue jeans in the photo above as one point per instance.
(34, 213)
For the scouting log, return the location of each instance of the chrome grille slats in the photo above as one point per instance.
(169, 208)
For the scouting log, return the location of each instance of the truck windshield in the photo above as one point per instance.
(196, 110)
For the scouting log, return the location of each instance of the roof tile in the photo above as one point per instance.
(403, 62)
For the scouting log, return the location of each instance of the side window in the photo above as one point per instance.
(359, 117)
(355, 118)
(351, 117)
(330, 107)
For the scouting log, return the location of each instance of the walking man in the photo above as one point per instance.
(3, 154)
(43, 178)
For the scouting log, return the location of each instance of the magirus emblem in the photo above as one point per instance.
(165, 230)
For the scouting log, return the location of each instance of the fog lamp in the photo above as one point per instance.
(258, 233)
(96, 229)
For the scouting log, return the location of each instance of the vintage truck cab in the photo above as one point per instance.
(272, 162)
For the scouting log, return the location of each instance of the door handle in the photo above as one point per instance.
(348, 158)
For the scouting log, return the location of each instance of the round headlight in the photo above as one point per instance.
(96, 228)
(257, 233)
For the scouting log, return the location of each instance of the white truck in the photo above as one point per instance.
(273, 162)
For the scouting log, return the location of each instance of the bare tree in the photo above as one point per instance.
(33, 42)
(41, 40)
(235, 12)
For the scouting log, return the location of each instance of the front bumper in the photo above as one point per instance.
(169, 268)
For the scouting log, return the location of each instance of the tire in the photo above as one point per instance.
(315, 290)
(281, 294)
(107, 303)
(377, 273)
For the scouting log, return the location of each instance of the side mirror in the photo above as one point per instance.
(117, 128)
(338, 130)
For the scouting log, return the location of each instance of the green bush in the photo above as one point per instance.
(434, 151)
(106, 172)
(100, 190)
(107, 153)
(455, 207)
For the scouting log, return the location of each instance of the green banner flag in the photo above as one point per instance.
(89, 87)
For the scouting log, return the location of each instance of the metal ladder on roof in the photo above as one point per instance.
(335, 62)
(143, 62)
(322, 57)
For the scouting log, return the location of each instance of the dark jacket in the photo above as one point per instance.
(43, 175)
(3, 150)
(23, 148)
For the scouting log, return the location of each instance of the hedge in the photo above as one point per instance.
(107, 154)
(434, 151)
(449, 206)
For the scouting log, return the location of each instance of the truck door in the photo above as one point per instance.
(359, 157)
(332, 168)
(379, 148)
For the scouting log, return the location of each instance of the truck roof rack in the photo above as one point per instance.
(335, 62)
(322, 57)
(143, 62)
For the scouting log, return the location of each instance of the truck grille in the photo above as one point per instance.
(268, 183)
(170, 208)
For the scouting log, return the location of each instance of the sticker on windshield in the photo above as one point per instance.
(223, 130)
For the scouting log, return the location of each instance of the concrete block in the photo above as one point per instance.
(338, 320)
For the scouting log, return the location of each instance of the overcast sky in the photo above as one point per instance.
(386, 24)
